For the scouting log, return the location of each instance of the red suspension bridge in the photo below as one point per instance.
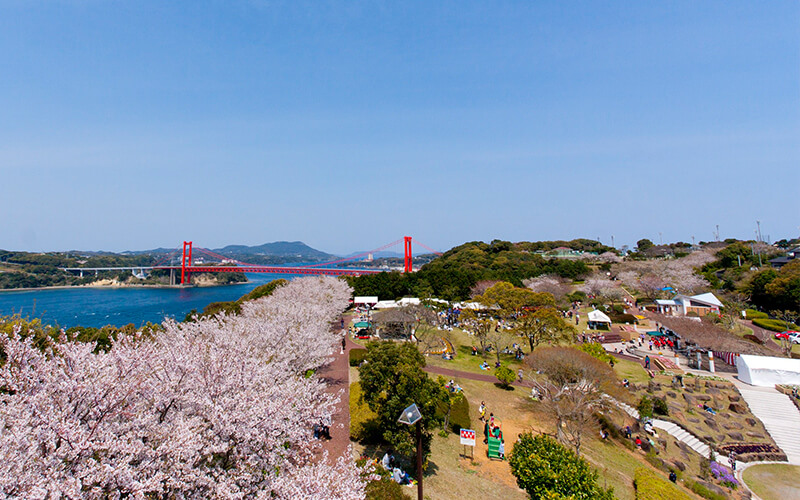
(229, 265)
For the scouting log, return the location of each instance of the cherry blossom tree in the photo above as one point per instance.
(219, 407)
(602, 287)
(557, 286)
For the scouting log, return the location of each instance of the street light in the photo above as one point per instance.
(411, 416)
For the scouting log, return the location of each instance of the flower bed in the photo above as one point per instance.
(754, 452)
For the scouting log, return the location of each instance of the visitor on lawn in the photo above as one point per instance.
(388, 460)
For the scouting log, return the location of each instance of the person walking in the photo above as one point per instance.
(344, 343)
(519, 374)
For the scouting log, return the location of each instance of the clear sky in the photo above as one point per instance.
(133, 125)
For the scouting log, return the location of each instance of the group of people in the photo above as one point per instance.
(322, 429)
(587, 338)
(491, 428)
(452, 386)
(398, 475)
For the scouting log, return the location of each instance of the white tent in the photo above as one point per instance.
(385, 304)
(768, 371)
(598, 317)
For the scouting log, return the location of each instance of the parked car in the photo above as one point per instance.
(790, 335)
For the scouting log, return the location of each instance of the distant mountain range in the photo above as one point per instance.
(287, 249)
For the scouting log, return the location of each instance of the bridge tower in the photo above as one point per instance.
(186, 274)
(407, 251)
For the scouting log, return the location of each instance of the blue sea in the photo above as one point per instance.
(119, 306)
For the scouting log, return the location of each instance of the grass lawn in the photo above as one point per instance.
(465, 361)
(631, 370)
(773, 481)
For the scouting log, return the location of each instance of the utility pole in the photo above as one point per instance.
(660, 239)
(758, 223)
(716, 235)
(612, 241)
(692, 242)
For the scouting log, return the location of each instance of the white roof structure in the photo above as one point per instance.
(369, 299)
(385, 304)
(408, 301)
(598, 317)
(707, 298)
(767, 371)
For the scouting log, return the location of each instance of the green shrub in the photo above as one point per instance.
(650, 486)
(660, 406)
(596, 351)
(753, 314)
(546, 469)
(505, 376)
(618, 309)
(775, 325)
(576, 296)
(645, 406)
(623, 318)
(704, 492)
(363, 421)
(459, 414)
(357, 356)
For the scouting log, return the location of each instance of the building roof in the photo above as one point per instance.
(598, 317)
(705, 298)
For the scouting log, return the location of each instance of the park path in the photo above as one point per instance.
(336, 375)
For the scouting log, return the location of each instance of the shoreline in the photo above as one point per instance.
(79, 287)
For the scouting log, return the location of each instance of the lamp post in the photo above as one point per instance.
(411, 416)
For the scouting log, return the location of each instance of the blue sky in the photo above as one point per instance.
(132, 125)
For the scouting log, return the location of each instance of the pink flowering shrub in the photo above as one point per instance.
(216, 408)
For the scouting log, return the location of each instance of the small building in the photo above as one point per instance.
(682, 305)
(779, 262)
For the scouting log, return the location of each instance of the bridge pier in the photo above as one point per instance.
(173, 277)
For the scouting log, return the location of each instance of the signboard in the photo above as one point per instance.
(467, 437)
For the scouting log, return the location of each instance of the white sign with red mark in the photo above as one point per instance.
(468, 437)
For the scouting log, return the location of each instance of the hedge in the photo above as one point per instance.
(363, 421)
(705, 492)
(753, 314)
(776, 325)
(357, 356)
(623, 318)
(651, 486)
(459, 414)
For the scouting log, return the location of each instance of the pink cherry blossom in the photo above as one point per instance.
(220, 407)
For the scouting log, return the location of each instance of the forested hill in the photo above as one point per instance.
(285, 251)
(452, 275)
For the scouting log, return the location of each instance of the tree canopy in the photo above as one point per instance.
(392, 379)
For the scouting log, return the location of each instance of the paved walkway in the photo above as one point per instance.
(779, 416)
(337, 375)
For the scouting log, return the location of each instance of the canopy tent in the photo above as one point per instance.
(598, 319)
(363, 324)
(768, 371)
(656, 334)
(385, 304)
